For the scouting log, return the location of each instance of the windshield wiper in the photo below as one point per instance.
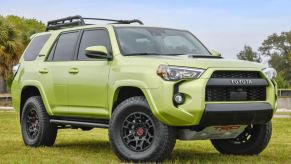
(204, 56)
(137, 54)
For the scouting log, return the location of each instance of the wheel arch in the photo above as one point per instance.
(33, 88)
(122, 93)
(143, 88)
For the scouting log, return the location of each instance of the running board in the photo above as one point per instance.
(78, 123)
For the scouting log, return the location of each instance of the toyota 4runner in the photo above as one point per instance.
(148, 85)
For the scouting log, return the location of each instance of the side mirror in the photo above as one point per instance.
(97, 52)
(215, 53)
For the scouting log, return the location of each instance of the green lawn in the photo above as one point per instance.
(76, 146)
(283, 113)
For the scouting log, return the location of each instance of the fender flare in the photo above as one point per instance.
(113, 92)
(37, 84)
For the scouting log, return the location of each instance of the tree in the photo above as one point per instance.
(25, 27)
(278, 47)
(281, 82)
(14, 37)
(248, 54)
(10, 49)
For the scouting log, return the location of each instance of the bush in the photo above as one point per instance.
(282, 83)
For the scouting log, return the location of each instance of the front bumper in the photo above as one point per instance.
(236, 114)
(192, 112)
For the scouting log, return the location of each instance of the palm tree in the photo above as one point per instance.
(14, 36)
(10, 49)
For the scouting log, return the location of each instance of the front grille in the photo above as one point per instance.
(236, 74)
(224, 93)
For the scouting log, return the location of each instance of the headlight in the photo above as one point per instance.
(271, 73)
(174, 73)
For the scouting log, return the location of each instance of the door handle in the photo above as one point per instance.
(73, 70)
(43, 71)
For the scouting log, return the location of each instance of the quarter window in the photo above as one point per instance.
(35, 47)
(93, 38)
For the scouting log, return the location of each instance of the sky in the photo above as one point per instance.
(222, 25)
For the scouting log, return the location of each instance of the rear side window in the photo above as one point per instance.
(66, 45)
(97, 37)
(35, 46)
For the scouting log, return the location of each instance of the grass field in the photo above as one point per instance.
(76, 146)
(284, 113)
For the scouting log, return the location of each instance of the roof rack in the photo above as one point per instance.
(79, 21)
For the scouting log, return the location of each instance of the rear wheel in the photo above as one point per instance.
(35, 126)
(252, 141)
(136, 135)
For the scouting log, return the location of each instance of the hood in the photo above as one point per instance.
(185, 60)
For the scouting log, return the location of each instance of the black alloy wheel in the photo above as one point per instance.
(138, 131)
(32, 123)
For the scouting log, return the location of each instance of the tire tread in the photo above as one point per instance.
(169, 135)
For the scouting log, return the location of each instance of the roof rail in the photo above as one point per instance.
(78, 20)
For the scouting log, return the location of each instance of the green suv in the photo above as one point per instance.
(148, 85)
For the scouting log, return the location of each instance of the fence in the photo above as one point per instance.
(284, 92)
(5, 97)
(284, 101)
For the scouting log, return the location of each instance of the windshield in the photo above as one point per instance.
(158, 41)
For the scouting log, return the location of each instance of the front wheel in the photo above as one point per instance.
(136, 135)
(252, 141)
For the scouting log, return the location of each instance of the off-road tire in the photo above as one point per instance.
(163, 140)
(258, 141)
(47, 132)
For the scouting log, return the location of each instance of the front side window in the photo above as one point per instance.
(158, 41)
(66, 45)
(95, 37)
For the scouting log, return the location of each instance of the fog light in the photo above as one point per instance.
(179, 98)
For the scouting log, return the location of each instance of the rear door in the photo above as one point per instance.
(55, 71)
(87, 89)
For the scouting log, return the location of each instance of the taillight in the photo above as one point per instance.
(15, 69)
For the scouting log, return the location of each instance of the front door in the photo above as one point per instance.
(88, 78)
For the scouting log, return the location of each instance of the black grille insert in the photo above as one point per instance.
(236, 74)
(236, 93)
(233, 91)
